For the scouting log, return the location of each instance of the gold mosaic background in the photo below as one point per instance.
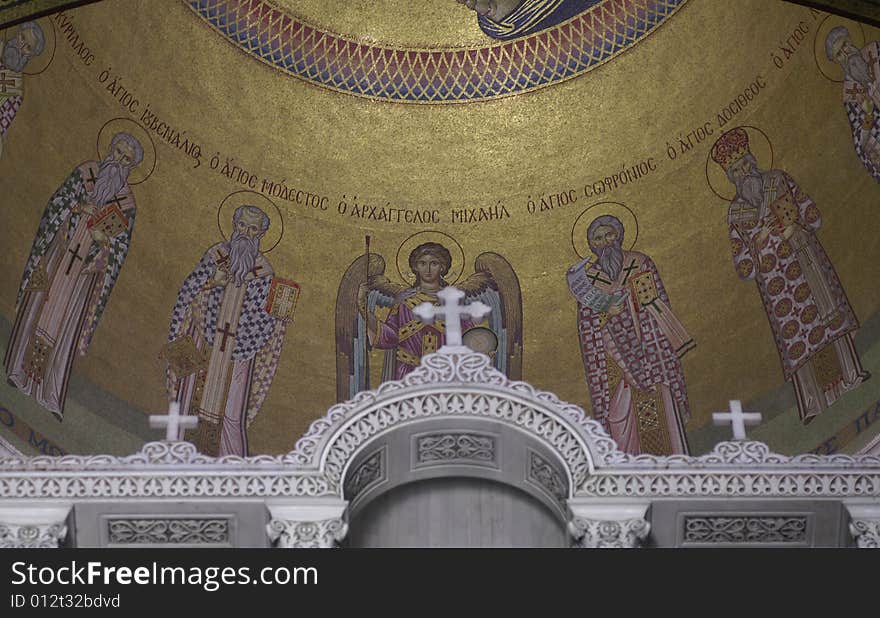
(441, 157)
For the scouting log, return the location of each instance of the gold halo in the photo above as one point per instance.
(252, 198)
(406, 247)
(829, 69)
(761, 148)
(579, 230)
(43, 61)
(124, 125)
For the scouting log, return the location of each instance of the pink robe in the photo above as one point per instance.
(240, 343)
(407, 336)
(862, 105)
(53, 325)
(810, 316)
(634, 374)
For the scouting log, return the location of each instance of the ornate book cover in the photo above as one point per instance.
(111, 221)
(283, 295)
(184, 357)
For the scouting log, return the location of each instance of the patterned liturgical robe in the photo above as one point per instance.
(66, 284)
(234, 349)
(10, 97)
(810, 316)
(408, 336)
(634, 374)
(863, 111)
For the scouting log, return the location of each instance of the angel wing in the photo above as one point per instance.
(495, 283)
(352, 347)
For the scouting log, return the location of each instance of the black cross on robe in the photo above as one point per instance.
(227, 333)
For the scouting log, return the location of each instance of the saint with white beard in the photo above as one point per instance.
(226, 335)
(772, 226)
(861, 93)
(80, 247)
(15, 54)
(632, 347)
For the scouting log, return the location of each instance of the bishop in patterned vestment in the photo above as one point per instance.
(81, 244)
(631, 349)
(15, 54)
(225, 337)
(772, 225)
(861, 93)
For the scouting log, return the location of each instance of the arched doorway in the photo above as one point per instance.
(456, 512)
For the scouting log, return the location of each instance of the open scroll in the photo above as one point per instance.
(587, 293)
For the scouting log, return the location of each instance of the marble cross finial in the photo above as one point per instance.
(173, 422)
(451, 311)
(737, 419)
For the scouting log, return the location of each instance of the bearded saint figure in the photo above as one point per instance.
(772, 225)
(511, 19)
(81, 243)
(861, 94)
(15, 54)
(631, 343)
(225, 337)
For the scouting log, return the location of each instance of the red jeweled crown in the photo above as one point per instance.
(731, 147)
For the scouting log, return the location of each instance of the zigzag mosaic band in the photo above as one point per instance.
(435, 75)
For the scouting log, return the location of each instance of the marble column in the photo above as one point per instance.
(864, 523)
(315, 526)
(609, 526)
(33, 527)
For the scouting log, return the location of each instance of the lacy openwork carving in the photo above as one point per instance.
(604, 534)
(450, 446)
(160, 470)
(783, 481)
(542, 473)
(370, 471)
(454, 384)
(32, 536)
(167, 531)
(737, 469)
(866, 532)
(307, 534)
(745, 529)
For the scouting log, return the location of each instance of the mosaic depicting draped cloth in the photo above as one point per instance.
(227, 347)
(10, 98)
(863, 111)
(810, 316)
(532, 16)
(632, 361)
(66, 284)
(407, 337)
(11, 92)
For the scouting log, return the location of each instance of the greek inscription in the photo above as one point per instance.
(480, 215)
